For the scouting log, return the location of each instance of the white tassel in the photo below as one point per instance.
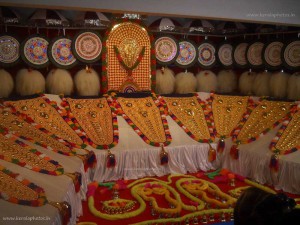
(278, 84)
(87, 82)
(246, 82)
(293, 90)
(261, 85)
(29, 82)
(185, 83)
(6, 84)
(59, 81)
(206, 81)
(165, 81)
(227, 81)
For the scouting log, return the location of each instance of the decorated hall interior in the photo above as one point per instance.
(149, 112)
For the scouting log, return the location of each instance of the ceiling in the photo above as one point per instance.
(279, 12)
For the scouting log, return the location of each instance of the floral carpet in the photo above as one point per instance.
(201, 198)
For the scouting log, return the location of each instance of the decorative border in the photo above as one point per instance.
(208, 118)
(40, 201)
(104, 78)
(59, 170)
(87, 140)
(118, 110)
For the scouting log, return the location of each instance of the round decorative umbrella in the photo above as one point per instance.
(187, 54)
(91, 19)
(290, 54)
(272, 54)
(231, 28)
(47, 17)
(165, 24)
(254, 54)
(239, 55)
(201, 26)
(166, 49)
(60, 52)
(34, 51)
(87, 46)
(8, 16)
(9, 50)
(225, 54)
(207, 54)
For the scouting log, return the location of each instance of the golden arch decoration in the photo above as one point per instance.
(128, 58)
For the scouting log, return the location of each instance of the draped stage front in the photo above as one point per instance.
(136, 159)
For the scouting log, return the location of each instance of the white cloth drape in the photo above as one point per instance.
(136, 159)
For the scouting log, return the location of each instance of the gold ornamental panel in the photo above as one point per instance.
(13, 151)
(45, 115)
(263, 117)
(94, 116)
(290, 138)
(190, 113)
(227, 112)
(129, 38)
(146, 116)
(15, 189)
(15, 124)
